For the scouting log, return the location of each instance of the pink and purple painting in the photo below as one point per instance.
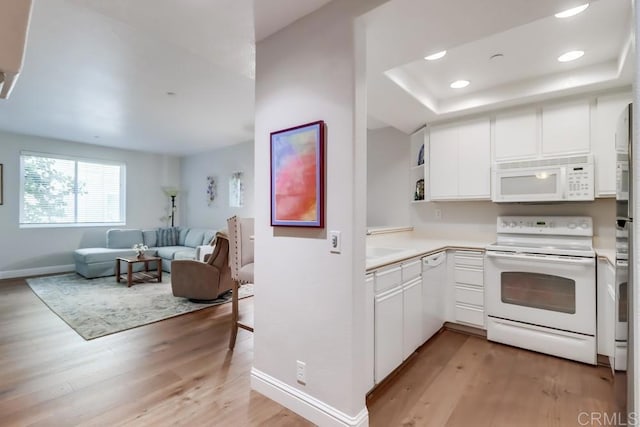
(297, 176)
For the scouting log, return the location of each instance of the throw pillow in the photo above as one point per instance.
(168, 236)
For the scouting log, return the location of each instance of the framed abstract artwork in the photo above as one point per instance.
(297, 176)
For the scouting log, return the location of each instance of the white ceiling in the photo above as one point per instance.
(405, 91)
(99, 71)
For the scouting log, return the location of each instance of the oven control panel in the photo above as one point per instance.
(553, 225)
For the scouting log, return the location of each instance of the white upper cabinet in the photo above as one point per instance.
(460, 161)
(607, 111)
(443, 163)
(516, 135)
(474, 160)
(566, 128)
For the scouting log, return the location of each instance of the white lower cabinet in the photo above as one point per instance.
(388, 332)
(369, 333)
(468, 292)
(397, 316)
(412, 317)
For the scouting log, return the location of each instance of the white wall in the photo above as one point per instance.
(478, 218)
(220, 163)
(309, 304)
(25, 249)
(388, 152)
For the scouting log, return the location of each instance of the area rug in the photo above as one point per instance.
(99, 307)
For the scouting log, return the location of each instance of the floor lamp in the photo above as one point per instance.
(172, 192)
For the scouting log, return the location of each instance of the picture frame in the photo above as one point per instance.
(297, 176)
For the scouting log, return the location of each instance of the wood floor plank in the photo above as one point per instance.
(180, 372)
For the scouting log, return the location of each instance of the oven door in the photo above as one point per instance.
(622, 273)
(530, 184)
(545, 290)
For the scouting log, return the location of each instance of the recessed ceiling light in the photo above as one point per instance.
(572, 12)
(436, 55)
(570, 56)
(459, 84)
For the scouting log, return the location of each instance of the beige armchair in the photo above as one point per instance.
(241, 263)
(203, 281)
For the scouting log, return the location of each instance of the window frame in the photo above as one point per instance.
(75, 159)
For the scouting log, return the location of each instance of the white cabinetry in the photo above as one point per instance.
(469, 288)
(566, 128)
(369, 341)
(398, 315)
(417, 169)
(607, 111)
(516, 135)
(460, 161)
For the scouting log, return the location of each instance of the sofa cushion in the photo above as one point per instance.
(209, 235)
(167, 236)
(168, 252)
(182, 236)
(194, 238)
(93, 255)
(150, 237)
(123, 239)
(187, 253)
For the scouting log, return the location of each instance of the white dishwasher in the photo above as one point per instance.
(434, 274)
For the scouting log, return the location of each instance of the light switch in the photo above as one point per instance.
(335, 244)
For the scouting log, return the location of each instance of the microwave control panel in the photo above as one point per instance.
(580, 182)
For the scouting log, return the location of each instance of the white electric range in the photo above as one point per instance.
(540, 283)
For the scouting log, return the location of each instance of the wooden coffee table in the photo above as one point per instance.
(139, 276)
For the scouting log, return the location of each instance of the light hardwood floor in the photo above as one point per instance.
(179, 372)
(461, 380)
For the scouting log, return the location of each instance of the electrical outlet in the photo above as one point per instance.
(438, 213)
(301, 372)
(335, 244)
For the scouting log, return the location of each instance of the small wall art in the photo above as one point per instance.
(236, 190)
(212, 190)
(297, 176)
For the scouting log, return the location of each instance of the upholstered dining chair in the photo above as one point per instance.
(203, 281)
(241, 263)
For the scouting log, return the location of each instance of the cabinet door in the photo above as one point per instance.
(566, 128)
(516, 136)
(388, 332)
(606, 321)
(434, 281)
(369, 350)
(443, 163)
(412, 319)
(608, 110)
(474, 160)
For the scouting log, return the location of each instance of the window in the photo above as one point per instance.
(70, 191)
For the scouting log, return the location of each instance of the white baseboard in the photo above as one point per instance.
(27, 272)
(303, 404)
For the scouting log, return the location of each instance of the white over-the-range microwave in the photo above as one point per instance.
(544, 180)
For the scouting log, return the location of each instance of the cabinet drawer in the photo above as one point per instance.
(469, 258)
(469, 276)
(470, 315)
(388, 278)
(411, 270)
(470, 295)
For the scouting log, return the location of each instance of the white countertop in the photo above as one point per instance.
(410, 244)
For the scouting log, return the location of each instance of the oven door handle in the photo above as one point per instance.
(545, 258)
